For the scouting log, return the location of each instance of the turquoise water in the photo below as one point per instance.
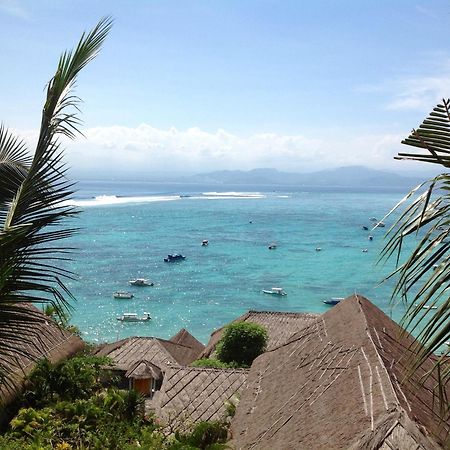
(128, 236)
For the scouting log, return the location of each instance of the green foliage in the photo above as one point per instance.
(205, 436)
(241, 343)
(212, 363)
(33, 187)
(74, 378)
(105, 420)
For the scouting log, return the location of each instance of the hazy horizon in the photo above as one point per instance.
(202, 86)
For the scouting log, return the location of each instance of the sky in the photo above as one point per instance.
(193, 86)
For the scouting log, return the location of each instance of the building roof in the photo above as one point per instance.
(183, 337)
(127, 352)
(192, 394)
(339, 384)
(42, 339)
(280, 327)
(144, 369)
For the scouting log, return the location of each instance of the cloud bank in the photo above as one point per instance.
(146, 149)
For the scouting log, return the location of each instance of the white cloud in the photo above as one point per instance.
(420, 93)
(146, 149)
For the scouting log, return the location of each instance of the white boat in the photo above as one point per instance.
(380, 225)
(272, 246)
(205, 242)
(133, 317)
(429, 307)
(275, 291)
(123, 294)
(140, 282)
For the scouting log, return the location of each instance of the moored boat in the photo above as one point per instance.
(133, 317)
(275, 291)
(333, 300)
(174, 257)
(123, 294)
(140, 282)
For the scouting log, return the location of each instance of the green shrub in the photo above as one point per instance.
(210, 363)
(204, 436)
(241, 343)
(74, 378)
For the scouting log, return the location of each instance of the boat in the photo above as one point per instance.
(205, 242)
(365, 228)
(275, 291)
(373, 219)
(133, 317)
(380, 225)
(272, 246)
(429, 307)
(174, 257)
(333, 300)
(141, 282)
(123, 294)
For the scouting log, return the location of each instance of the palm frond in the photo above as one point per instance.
(32, 209)
(423, 278)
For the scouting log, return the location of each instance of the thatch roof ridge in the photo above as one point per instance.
(341, 379)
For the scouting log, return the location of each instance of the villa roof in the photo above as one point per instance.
(339, 384)
(192, 394)
(127, 352)
(144, 369)
(183, 337)
(280, 327)
(43, 339)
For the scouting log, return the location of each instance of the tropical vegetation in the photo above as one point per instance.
(33, 188)
(241, 343)
(424, 275)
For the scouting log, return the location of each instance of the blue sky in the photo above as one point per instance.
(204, 85)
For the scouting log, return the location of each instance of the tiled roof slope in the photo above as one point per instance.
(280, 327)
(191, 394)
(127, 352)
(45, 339)
(337, 384)
(183, 337)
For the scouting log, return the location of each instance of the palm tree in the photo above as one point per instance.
(33, 216)
(423, 278)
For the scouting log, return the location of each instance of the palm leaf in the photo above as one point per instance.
(423, 278)
(32, 213)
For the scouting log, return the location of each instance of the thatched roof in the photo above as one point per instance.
(162, 353)
(280, 327)
(144, 369)
(44, 339)
(338, 384)
(192, 394)
(183, 337)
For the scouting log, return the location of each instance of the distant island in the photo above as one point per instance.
(351, 176)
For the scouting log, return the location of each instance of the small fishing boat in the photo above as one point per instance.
(365, 228)
(123, 294)
(205, 242)
(275, 291)
(429, 307)
(272, 246)
(141, 282)
(174, 257)
(333, 300)
(133, 317)
(380, 225)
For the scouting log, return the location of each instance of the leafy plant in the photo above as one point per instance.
(205, 436)
(241, 343)
(212, 363)
(423, 279)
(32, 213)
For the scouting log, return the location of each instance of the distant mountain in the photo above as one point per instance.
(351, 176)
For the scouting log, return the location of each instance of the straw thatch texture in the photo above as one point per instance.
(160, 352)
(185, 338)
(280, 327)
(337, 384)
(44, 339)
(192, 394)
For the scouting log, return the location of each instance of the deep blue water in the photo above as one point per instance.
(128, 228)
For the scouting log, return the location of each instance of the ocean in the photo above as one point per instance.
(127, 228)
